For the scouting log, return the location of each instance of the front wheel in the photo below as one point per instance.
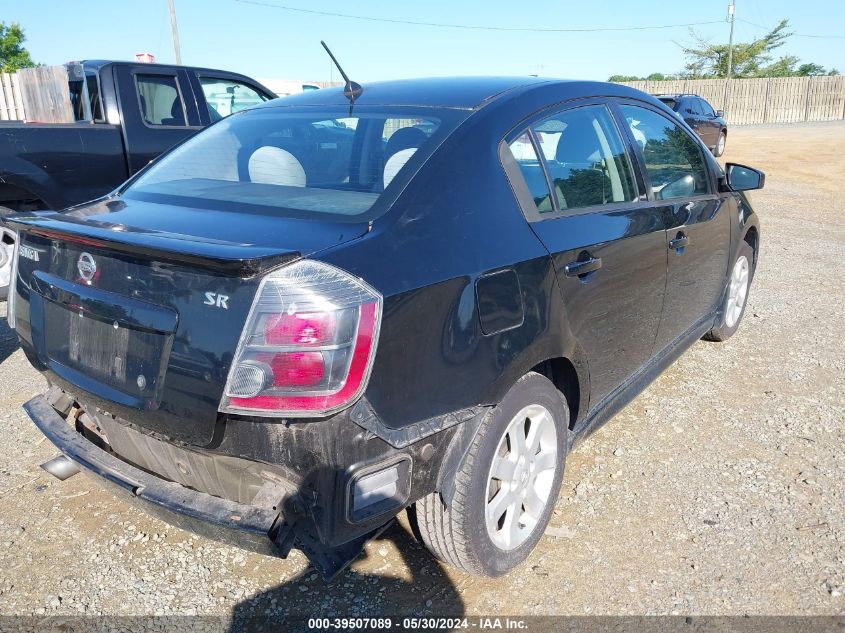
(736, 297)
(506, 488)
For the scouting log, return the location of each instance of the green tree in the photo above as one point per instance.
(621, 78)
(707, 60)
(13, 55)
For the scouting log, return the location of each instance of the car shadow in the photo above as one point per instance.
(8, 339)
(394, 576)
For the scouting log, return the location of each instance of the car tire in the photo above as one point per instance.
(458, 534)
(736, 295)
(720, 144)
(7, 249)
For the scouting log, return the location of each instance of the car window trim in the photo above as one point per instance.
(530, 211)
(617, 111)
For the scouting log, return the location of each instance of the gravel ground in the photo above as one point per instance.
(717, 491)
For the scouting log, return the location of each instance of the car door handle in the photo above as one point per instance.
(582, 267)
(678, 244)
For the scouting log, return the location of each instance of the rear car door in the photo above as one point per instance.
(158, 110)
(683, 189)
(578, 188)
(691, 114)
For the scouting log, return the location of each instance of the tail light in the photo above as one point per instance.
(308, 345)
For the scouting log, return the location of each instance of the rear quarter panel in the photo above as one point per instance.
(455, 222)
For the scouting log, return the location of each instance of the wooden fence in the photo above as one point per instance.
(769, 100)
(36, 94)
(11, 104)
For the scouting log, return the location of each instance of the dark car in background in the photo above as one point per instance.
(283, 342)
(702, 118)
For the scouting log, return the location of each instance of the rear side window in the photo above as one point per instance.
(225, 96)
(77, 98)
(159, 100)
(691, 106)
(673, 160)
(532, 171)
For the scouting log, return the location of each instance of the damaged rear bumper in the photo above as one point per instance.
(271, 532)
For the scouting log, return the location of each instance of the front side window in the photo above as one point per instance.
(585, 158)
(673, 160)
(296, 163)
(706, 108)
(225, 96)
(160, 100)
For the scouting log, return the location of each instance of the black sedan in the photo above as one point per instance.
(708, 123)
(280, 337)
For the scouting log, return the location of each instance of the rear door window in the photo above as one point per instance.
(586, 158)
(691, 107)
(160, 101)
(673, 159)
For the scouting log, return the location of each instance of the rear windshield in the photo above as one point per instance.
(300, 163)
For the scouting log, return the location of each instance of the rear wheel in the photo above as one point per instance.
(506, 488)
(736, 297)
(720, 144)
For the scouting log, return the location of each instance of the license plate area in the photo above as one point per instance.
(113, 346)
(129, 360)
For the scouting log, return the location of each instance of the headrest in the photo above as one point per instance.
(275, 166)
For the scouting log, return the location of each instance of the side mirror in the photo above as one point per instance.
(720, 113)
(742, 178)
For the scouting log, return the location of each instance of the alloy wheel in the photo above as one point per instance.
(737, 292)
(521, 477)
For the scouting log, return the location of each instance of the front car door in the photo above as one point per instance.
(682, 184)
(578, 188)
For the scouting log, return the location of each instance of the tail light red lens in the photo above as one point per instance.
(308, 345)
(295, 369)
(316, 328)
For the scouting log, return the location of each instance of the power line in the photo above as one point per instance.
(473, 27)
(824, 37)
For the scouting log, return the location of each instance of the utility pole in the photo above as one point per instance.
(732, 18)
(175, 31)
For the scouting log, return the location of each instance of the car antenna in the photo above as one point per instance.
(352, 90)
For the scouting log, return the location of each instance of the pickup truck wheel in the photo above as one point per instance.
(736, 297)
(506, 488)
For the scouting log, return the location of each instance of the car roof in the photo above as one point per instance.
(468, 93)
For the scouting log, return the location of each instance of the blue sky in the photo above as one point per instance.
(263, 41)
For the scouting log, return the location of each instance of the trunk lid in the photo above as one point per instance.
(137, 307)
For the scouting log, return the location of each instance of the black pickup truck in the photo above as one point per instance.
(126, 115)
